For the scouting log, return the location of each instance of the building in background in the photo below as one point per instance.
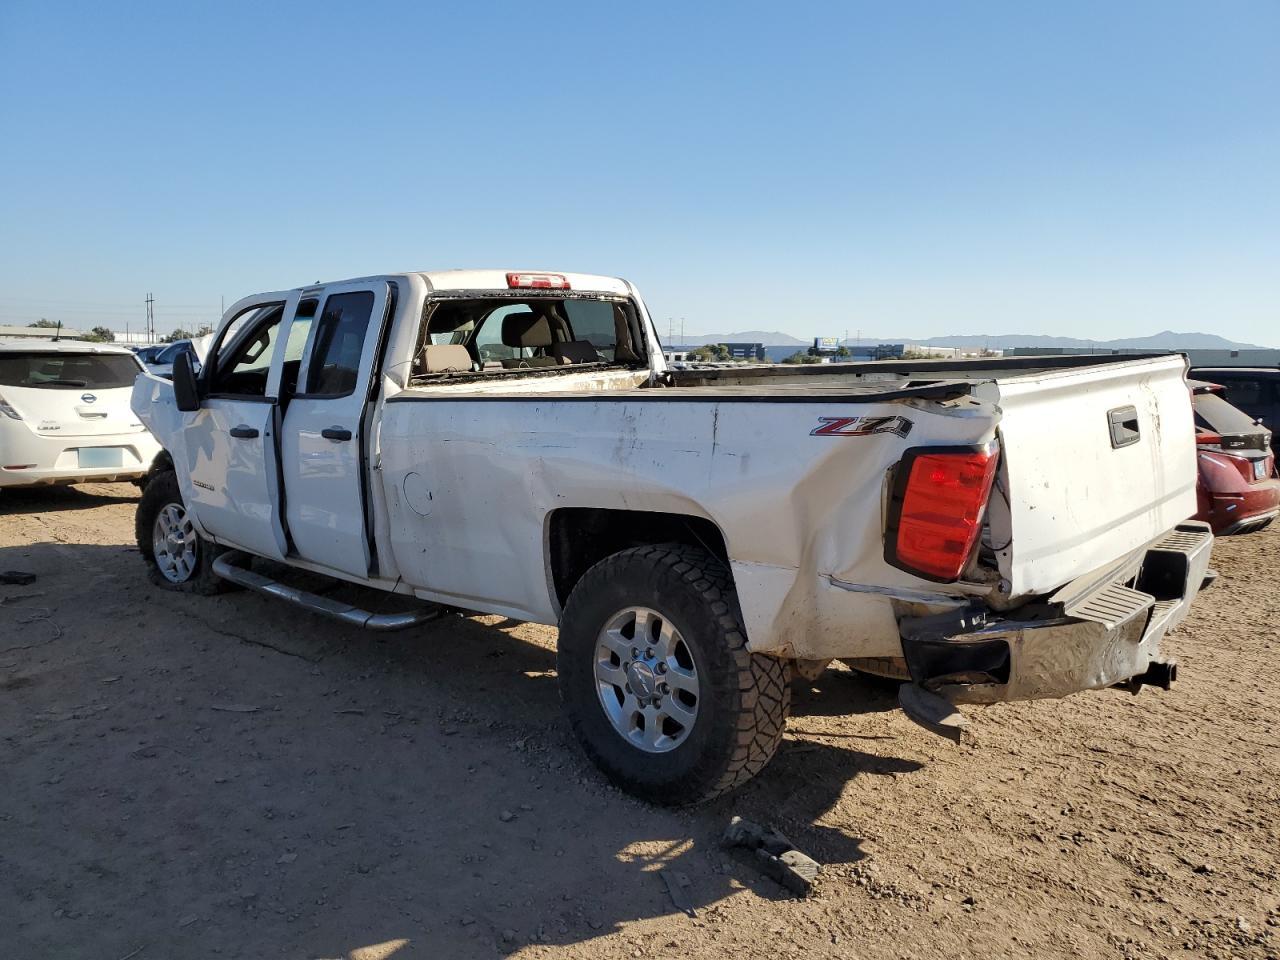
(39, 333)
(876, 351)
(1197, 357)
(746, 351)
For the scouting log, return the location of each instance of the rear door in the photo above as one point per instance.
(1096, 462)
(231, 440)
(323, 441)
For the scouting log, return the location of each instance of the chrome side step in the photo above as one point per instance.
(228, 567)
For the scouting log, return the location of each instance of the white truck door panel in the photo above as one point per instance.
(231, 463)
(230, 442)
(323, 439)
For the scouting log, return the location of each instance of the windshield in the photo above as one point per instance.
(64, 370)
(170, 353)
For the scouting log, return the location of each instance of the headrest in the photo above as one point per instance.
(445, 358)
(526, 330)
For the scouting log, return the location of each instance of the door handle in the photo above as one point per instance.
(244, 432)
(336, 433)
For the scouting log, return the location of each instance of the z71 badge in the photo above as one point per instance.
(860, 426)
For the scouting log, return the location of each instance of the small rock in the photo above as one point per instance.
(506, 816)
(188, 921)
(1203, 868)
(508, 935)
(468, 920)
(1243, 925)
(287, 858)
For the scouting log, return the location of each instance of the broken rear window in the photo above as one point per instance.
(513, 333)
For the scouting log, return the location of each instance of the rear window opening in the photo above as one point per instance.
(1216, 415)
(65, 370)
(520, 333)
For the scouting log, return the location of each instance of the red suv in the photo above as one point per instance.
(1238, 491)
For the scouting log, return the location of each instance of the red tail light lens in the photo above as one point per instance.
(537, 281)
(936, 514)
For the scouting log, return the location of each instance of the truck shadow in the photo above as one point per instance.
(55, 499)
(312, 788)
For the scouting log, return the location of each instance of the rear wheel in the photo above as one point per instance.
(177, 557)
(656, 679)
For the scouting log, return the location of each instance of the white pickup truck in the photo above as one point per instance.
(513, 443)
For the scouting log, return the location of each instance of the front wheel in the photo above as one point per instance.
(177, 557)
(656, 679)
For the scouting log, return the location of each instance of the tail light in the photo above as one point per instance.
(935, 515)
(8, 410)
(537, 281)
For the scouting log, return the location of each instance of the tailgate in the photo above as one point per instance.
(78, 412)
(1097, 462)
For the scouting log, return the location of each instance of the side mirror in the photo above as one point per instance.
(186, 396)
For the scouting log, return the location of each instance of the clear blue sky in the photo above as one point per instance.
(907, 169)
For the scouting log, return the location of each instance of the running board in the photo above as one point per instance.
(228, 567)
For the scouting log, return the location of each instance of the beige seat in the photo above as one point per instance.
(445, 358)
(575, 351)
(527, 331)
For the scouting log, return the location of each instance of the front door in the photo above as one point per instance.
(322, 442)
(230, 441)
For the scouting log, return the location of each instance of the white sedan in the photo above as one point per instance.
(65, 417)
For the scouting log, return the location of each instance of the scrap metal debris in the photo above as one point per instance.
(680, 889)
(774, 854)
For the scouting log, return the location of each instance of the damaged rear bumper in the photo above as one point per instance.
(1108, 635)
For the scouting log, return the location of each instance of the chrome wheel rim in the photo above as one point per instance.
(646, 679)
(173, 541)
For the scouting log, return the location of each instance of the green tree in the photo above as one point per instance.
(177, 334)
(44, 324)
(842, 351)
(711, 352)
(801, 357)
(100, 335)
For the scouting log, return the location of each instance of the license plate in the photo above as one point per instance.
(1259, 469)
(93, 458)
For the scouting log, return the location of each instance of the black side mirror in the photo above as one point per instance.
(186, 395)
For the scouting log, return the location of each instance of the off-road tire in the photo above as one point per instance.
(162, 489)
(744, 697)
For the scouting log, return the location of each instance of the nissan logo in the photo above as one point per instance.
(88, 397)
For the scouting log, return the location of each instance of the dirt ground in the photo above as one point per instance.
(187, 777)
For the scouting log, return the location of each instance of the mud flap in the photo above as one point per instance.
(934, 713)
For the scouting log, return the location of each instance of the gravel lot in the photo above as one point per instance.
(187, 777)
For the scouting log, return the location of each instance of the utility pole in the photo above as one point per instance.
(151, 318)
(682, 331)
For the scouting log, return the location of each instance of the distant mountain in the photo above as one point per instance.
(1165, 340)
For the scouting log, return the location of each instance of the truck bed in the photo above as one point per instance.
(878, 380)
